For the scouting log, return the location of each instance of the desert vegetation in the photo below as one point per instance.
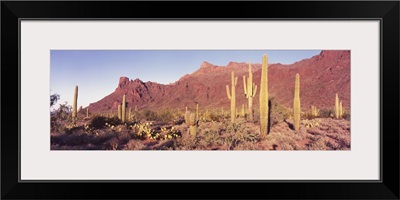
(271, 126)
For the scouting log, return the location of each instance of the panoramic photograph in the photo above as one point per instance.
(282, 100)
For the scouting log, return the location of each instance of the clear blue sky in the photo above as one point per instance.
(97, 72)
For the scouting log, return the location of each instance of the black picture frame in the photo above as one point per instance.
(386, 11)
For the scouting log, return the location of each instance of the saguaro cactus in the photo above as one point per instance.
(337, 106)
(87, 112)
(296, 103)
(74, 105)
(264, 96)
(192, 124)
(314, 111)
(340, 110)
(232, 96)
(136, 113)
(123, 109)
(250, 90)
(119, 112)
(187, 116)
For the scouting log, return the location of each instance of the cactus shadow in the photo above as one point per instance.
(291, 125)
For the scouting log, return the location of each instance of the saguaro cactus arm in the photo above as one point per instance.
(245, 86)
(255, 89)
(227, 92)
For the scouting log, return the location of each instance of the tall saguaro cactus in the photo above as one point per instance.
(74, 105)
(340, 110)
(296, 103)
(123, 109)
(232, 96)
(337, 106)
(250, 90)
(119, 112)
(264, 96)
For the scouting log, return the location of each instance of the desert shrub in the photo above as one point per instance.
(112, 144)
(69, 129)
(55, 126)
(346, 116)
(326, 113)
(123, 137)
(54, 98)
(278, 113)
(166, 116)
(149, 115)
(144, 131)
(210, 137)
(178, 121)
(169, 133)
(114, 121)
(230, 142)
(98, 122)
(249, 137)
(63, 112)
(134, 145)
(218, 116)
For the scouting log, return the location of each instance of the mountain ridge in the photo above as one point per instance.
(321, 76)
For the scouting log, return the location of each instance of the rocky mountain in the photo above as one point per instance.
(321, 77)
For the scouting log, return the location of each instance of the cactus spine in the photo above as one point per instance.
(74, 105)
(119, 112)
(192, 124)
(296, 103)
(123, 110)
(264, 96)
(232, 96)
(337, 106)
(250, 90)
